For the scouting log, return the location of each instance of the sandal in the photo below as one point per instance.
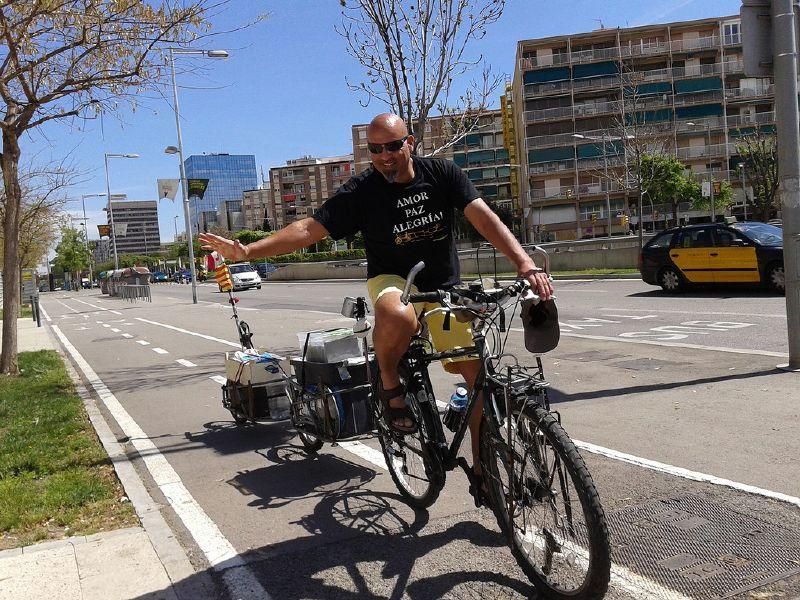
(393, 414)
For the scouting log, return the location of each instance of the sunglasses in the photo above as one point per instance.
(390, 146)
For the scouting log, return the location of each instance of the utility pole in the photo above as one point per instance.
(788, 120)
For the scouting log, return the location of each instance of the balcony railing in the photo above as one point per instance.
(564, 191)
(541, 141)
(698, 125)
(535, 62)
(745, 93)
(599, 163)
(754, 119)
(692, 45)
(595, 83)
(698, 97)
(693, 152)
(583, 56)
(643, 49)
(551, 87)
(577, 110)
(552, 166)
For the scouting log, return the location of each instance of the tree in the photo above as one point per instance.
(759, 154)
(722, 199)
(72, 254)
(248, 236)
(413, 52)
(62, 59)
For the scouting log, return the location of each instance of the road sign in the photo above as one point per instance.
(706, 189)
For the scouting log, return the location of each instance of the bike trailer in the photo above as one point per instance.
(336, 395)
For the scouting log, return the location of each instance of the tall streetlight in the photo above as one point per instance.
(740, 166)
(710, 173)
(179, 151)
(86, 233)
(111, 210)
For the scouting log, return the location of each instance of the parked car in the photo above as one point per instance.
(183, 276)
(244, 276)
(264, 269)
(708, 253)
(85, 283)
(159, 276)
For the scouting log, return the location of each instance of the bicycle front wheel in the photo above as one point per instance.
(546, 503)
(412, 461)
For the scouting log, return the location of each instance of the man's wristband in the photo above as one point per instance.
(530, 272)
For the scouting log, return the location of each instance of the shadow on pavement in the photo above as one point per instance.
(388, 555)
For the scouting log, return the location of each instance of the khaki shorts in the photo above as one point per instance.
(458, 336)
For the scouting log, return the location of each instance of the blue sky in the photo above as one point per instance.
(282, 92)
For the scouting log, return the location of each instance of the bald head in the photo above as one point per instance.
(387, 123)
(390, 148)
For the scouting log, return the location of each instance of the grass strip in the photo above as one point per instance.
(55, 477)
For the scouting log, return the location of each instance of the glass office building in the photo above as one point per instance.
(229, 176)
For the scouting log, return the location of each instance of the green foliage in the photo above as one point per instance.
(464, 229)
(296, 257)
(71, 253)
(759, 155)
(722, 199)
(53, 471)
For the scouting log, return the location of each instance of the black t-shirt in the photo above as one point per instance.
(404, 223)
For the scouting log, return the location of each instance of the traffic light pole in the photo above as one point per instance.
(788, 120)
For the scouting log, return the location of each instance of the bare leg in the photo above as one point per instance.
(394, 326)
(469, 371)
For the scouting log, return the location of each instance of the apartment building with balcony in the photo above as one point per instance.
(575, 96)
(303, 184)
(258, 208)
(136, 226)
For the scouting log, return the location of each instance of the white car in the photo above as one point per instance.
(244, 276)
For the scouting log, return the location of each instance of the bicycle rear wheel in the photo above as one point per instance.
(412, 461)
(546, 503)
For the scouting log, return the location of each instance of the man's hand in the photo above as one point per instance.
(540, 284)
(231, 250)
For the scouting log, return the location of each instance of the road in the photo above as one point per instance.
(659, 391)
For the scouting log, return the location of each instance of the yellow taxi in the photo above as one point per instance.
(710, 253)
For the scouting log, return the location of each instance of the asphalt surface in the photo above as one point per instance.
(333, 526)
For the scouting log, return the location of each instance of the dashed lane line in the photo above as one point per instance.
(67, 306)
(696, 312)
(160, 351)
(143, 342)
(127, 335)
(185, 363)
(219, 379)
(116, 312)
(115, 330)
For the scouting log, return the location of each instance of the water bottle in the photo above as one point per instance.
(456, 408)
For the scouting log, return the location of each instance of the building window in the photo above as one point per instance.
(732, 33)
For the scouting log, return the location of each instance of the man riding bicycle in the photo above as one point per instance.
(404, 207)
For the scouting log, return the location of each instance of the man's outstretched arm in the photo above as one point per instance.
(294, 236)
(496, 233)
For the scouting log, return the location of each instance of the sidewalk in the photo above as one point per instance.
(112, 565)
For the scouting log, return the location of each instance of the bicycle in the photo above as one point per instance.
(539, 488)
(541, 493)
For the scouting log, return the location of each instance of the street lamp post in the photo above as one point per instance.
(110, 209)
(179, 152)
(86, 233)
(740, 166)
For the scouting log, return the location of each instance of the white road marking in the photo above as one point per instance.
(143, 342)
(160, 351)
(605, 338)
(106, 325)
(66, 305)
(219, 379)
(100, 307)
(368, 453)
(127, 335)
(99, 322)
(186, 331)
(44, 312)
(696, 312)
(685, 473)
(115, 330)
(185, 363)
(219, 552)
(81, 329)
